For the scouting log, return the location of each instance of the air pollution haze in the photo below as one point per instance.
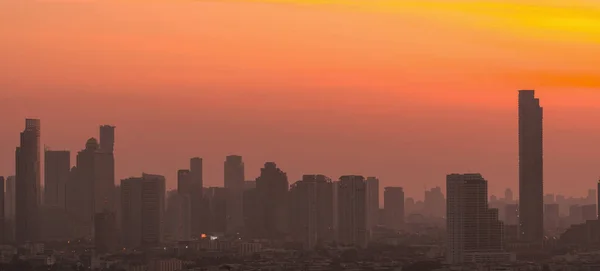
(408, 91)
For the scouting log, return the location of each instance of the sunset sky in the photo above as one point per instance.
(404, 90)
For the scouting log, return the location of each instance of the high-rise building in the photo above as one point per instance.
(474, 232)
(234, 183)
(372, 202)
(511, 214)
(393, 198)
(200, 211)
(218, 198)
(143, 205)
(9, 208)
(184, 182)
(311, 210)
(272, 188)
(57, 167)
(107, 138)
(352, 211)
(434, 203)
(177, 217)
(591, 198)
(95, 179)
(28, 183)
(531, 168)
(598, 199)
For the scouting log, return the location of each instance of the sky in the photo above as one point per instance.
(407, 91)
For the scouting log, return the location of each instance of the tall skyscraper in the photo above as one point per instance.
(184, 182)
(143, 206)
(508, 195)
(598, 198)
(272, 188)
(200, 212)
(28, 183)
(177, 217)
(372, 202)
(234, 183)
(311, 210)
(57, 167)
(107, 138)
(352, 211)
(95, 177)
(105, 232)
(474, 232)
(531, 168)
(434, 203)
(393, 198)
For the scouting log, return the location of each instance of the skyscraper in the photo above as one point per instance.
(393, 198)
(311, 210)
(107, 138)
(508, 195)
(272, 188)
(352, 211)
(143, 206)
(234, 183)
(531, 168)
(28, 183)
(57, 167)
(200, 212)
(474, 232)
(372, 202)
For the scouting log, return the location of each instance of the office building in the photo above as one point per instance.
(143, 205)
(311, 210)
(531, 168)
(200, 212)
(434, 203)
(508, 195)
(393, 202)
(107, 138)
(474, 232)
(2, 214)
(57, 167)
(28, 183)
(272, 188)
(551, 217)
(177, 217)
(234, 183)
(352, 211)
(218, 202)
(372, 202)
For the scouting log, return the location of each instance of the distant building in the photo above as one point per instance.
(143, 205)
(311, 210)
(28, 175)
(177, 217)
(218, 205)
(474, 232)
(272, 188)
(9, 208)
(575, 214)
(508, 195)
(199, 204)
(352, 213)
(249, 184)
(234, 176)
(434, 203)
(551, 217)
(2, 214)
(511, 214)
(372, 202)
(57, 166)
(531, 168)
(393, 198)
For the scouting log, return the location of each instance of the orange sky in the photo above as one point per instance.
(404, 90)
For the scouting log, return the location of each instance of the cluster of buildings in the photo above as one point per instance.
(246, 218)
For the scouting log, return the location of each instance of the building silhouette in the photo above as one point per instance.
(272, 202)
(143, 206)
(372, 203)
(352, 211)
(508, 195)
(234, 181)
(311, 210)
(434, 203)
(393, 198)
(200, 212)
(218, 204)
(589, 212)
(57, 167)
(105, 232)
(28, 185)
(474, 233)
(177, 217)
(531, 168)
